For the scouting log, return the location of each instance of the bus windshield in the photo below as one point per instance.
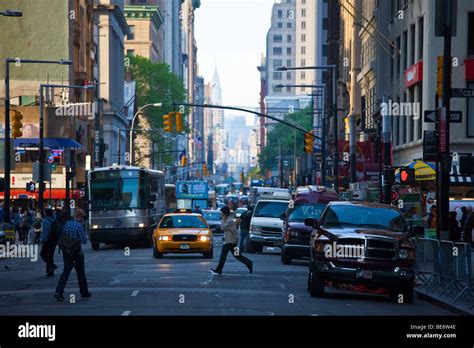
(113, 191)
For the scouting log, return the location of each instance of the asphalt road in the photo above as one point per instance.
(138, 284)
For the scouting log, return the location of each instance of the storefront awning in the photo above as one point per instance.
(49, 143)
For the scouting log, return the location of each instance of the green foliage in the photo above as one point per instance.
(284, 135)
(157, 84)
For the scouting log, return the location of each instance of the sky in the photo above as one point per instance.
(231, 34)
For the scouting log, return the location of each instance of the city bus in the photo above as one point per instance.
(125, 204)
(170, 194)
(222, 189)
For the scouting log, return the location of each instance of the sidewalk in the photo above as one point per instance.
(438, 297)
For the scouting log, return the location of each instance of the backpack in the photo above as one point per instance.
(70, 247)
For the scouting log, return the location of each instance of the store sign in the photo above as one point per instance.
(20, 181)
(414, 74)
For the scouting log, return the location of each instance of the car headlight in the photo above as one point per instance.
(204, 238)
(94, 227)
(293, 233)
(321, 247)
(2, 233)
(141, 225)
(255, 229)
(407, 254)
(164, 238)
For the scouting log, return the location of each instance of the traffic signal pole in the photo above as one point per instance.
(6, 206)
(443, 206)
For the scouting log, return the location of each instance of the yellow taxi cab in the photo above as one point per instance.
(182, 233)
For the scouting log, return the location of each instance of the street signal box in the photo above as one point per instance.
(16, 124)
(168, 123)
(183, 161)
(407, 176)
(308, 143)
(440, 77)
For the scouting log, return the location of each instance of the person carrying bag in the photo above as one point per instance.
(72, 237)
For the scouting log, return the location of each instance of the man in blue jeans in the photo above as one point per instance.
(75, 230)
(245, 226)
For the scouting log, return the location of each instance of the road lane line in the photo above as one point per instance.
(126, 313)
(135, 293)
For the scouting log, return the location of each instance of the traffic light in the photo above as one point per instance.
(407, 176)
(179, 121)
(242, 176)
(308, 143)
(183, 161)
(439, 76)
(31, 186)
(168, 122)
(204, 169)
(16, 124)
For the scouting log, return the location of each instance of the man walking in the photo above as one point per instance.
(74, 229)
(245, 226)
(49, 237)
(231, 239)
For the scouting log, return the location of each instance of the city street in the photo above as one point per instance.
(182, 285)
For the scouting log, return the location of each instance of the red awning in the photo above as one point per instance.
(55, 194)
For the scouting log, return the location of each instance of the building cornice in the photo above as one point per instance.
(152, 13)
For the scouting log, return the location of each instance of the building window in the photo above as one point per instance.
(405, 50)
(288, 75)
(325, 23)
(280, 25)
(288, 63)
(421, 30)
(303, 12)
(277, 51)
(288, 51)
(303, 75)
(398, 57)
(303, 25)
(277, 63)
(413, 47)
(303, 49)
(470, 113)
(131, 35)
(277, 38)
(277, 89)
(288, 39)
(280, 14)
(303, 62)
(277, 75)
(303, 37)
(470, 36)
(325, 50)
(303, 2)
(288, 89)
(130, 53)
(289, 25)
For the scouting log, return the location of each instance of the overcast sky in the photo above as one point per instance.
(231, 34)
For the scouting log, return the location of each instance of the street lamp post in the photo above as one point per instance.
(133, 124)
(6, 216)
(41, 143)
(334, 112)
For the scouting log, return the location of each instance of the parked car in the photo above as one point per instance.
(308, 202)
(361, 244)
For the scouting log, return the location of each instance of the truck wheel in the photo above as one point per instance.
(403, 294)
(209, 254)
(315, 284)
(95, 246)
(285, 257)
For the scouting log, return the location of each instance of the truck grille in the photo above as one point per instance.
(184, 238)
(384, 249)
(271, 230)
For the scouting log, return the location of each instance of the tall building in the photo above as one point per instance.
(67, 139)
(172, 29)
(112, 28)
(190, 67)
(145, 36)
